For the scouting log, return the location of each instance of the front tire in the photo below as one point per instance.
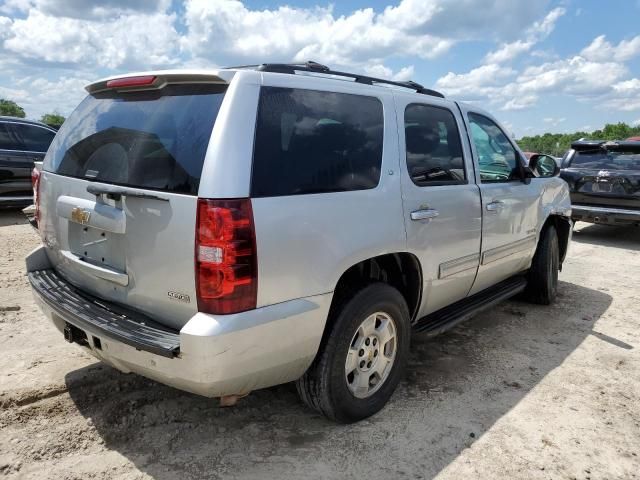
(362, 358)
(542, 279)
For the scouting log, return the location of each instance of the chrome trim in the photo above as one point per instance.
(498, 253)
(106, 273)
(29, 124)
(21, 151)
(14, 199)
(496, 206)
(426, 214)
(587, 209)
(459, 265)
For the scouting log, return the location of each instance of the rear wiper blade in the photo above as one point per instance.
(116, 193)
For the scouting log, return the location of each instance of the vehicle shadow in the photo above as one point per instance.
(458, 385)
(12, 216)
(608, 236)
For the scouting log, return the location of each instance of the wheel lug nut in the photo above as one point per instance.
(362, 364)
(366, 342)
(361, 353)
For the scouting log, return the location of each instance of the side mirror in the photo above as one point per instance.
(544, 166)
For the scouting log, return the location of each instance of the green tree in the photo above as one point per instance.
(52, 119)
(11, 108)
(558, 143)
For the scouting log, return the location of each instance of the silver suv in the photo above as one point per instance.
(228, 230)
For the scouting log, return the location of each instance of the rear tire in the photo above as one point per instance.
(542, 278)
(362, 358)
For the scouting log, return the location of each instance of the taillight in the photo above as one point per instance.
(35, 183)
(226, 262)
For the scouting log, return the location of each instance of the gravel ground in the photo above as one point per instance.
(520, 391)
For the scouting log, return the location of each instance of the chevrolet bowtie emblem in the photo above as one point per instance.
(80, 215)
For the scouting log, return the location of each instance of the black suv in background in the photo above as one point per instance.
(604, 180)
(22, 142)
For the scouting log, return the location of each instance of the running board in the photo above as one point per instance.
(448, 317)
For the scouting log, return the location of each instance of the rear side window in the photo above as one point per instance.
(310, 141)
(34, 139)
(154, 140)
(434, 150)
(7, 140)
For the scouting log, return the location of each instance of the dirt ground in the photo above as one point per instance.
(520, 391)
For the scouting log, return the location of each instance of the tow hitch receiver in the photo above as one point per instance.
(74, 334)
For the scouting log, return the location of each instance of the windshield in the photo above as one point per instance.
(154, 140)
(604, 160)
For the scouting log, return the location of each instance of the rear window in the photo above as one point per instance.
(154, 140)
(311, 141)
(603, 160)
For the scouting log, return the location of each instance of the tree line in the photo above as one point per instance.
(558, 143)
(12, 109)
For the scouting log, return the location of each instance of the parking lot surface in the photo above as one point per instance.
(521, 391)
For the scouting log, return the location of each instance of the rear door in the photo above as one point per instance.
(442, 210)
(119, 194)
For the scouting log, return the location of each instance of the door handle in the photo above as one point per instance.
(425, 214)
(495, 206)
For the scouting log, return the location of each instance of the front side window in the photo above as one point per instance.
(311, 141)
(34, 139)
(434, 150)
(497, 158)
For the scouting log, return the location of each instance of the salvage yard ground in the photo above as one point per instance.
(521, 391)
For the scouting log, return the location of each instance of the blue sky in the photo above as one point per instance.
(545, 65)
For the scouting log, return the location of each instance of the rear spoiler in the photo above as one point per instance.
(613, 146)
(158, 80)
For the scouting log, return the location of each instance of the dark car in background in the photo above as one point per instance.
(22, 142)
(604, 180)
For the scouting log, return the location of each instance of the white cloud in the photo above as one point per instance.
(380, 71)
(554, 122)
(288, 33)
(520, 103)
(636, 123)
(534, 34)
(477, 83)
(423, 29)
(126, 42)
(509, 51)
(625, 95)
(601, 50)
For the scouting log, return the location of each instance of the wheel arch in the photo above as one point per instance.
(401, 270)
(564, 227)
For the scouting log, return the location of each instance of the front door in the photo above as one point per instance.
(440, 198)
(509, 205)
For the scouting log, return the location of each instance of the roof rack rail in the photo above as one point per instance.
(314, 67)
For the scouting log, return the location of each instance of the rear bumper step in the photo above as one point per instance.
(102, 318)
(600, 214)
(448, 317)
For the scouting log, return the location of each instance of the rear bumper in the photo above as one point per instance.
(212, 355)
(604, 215)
